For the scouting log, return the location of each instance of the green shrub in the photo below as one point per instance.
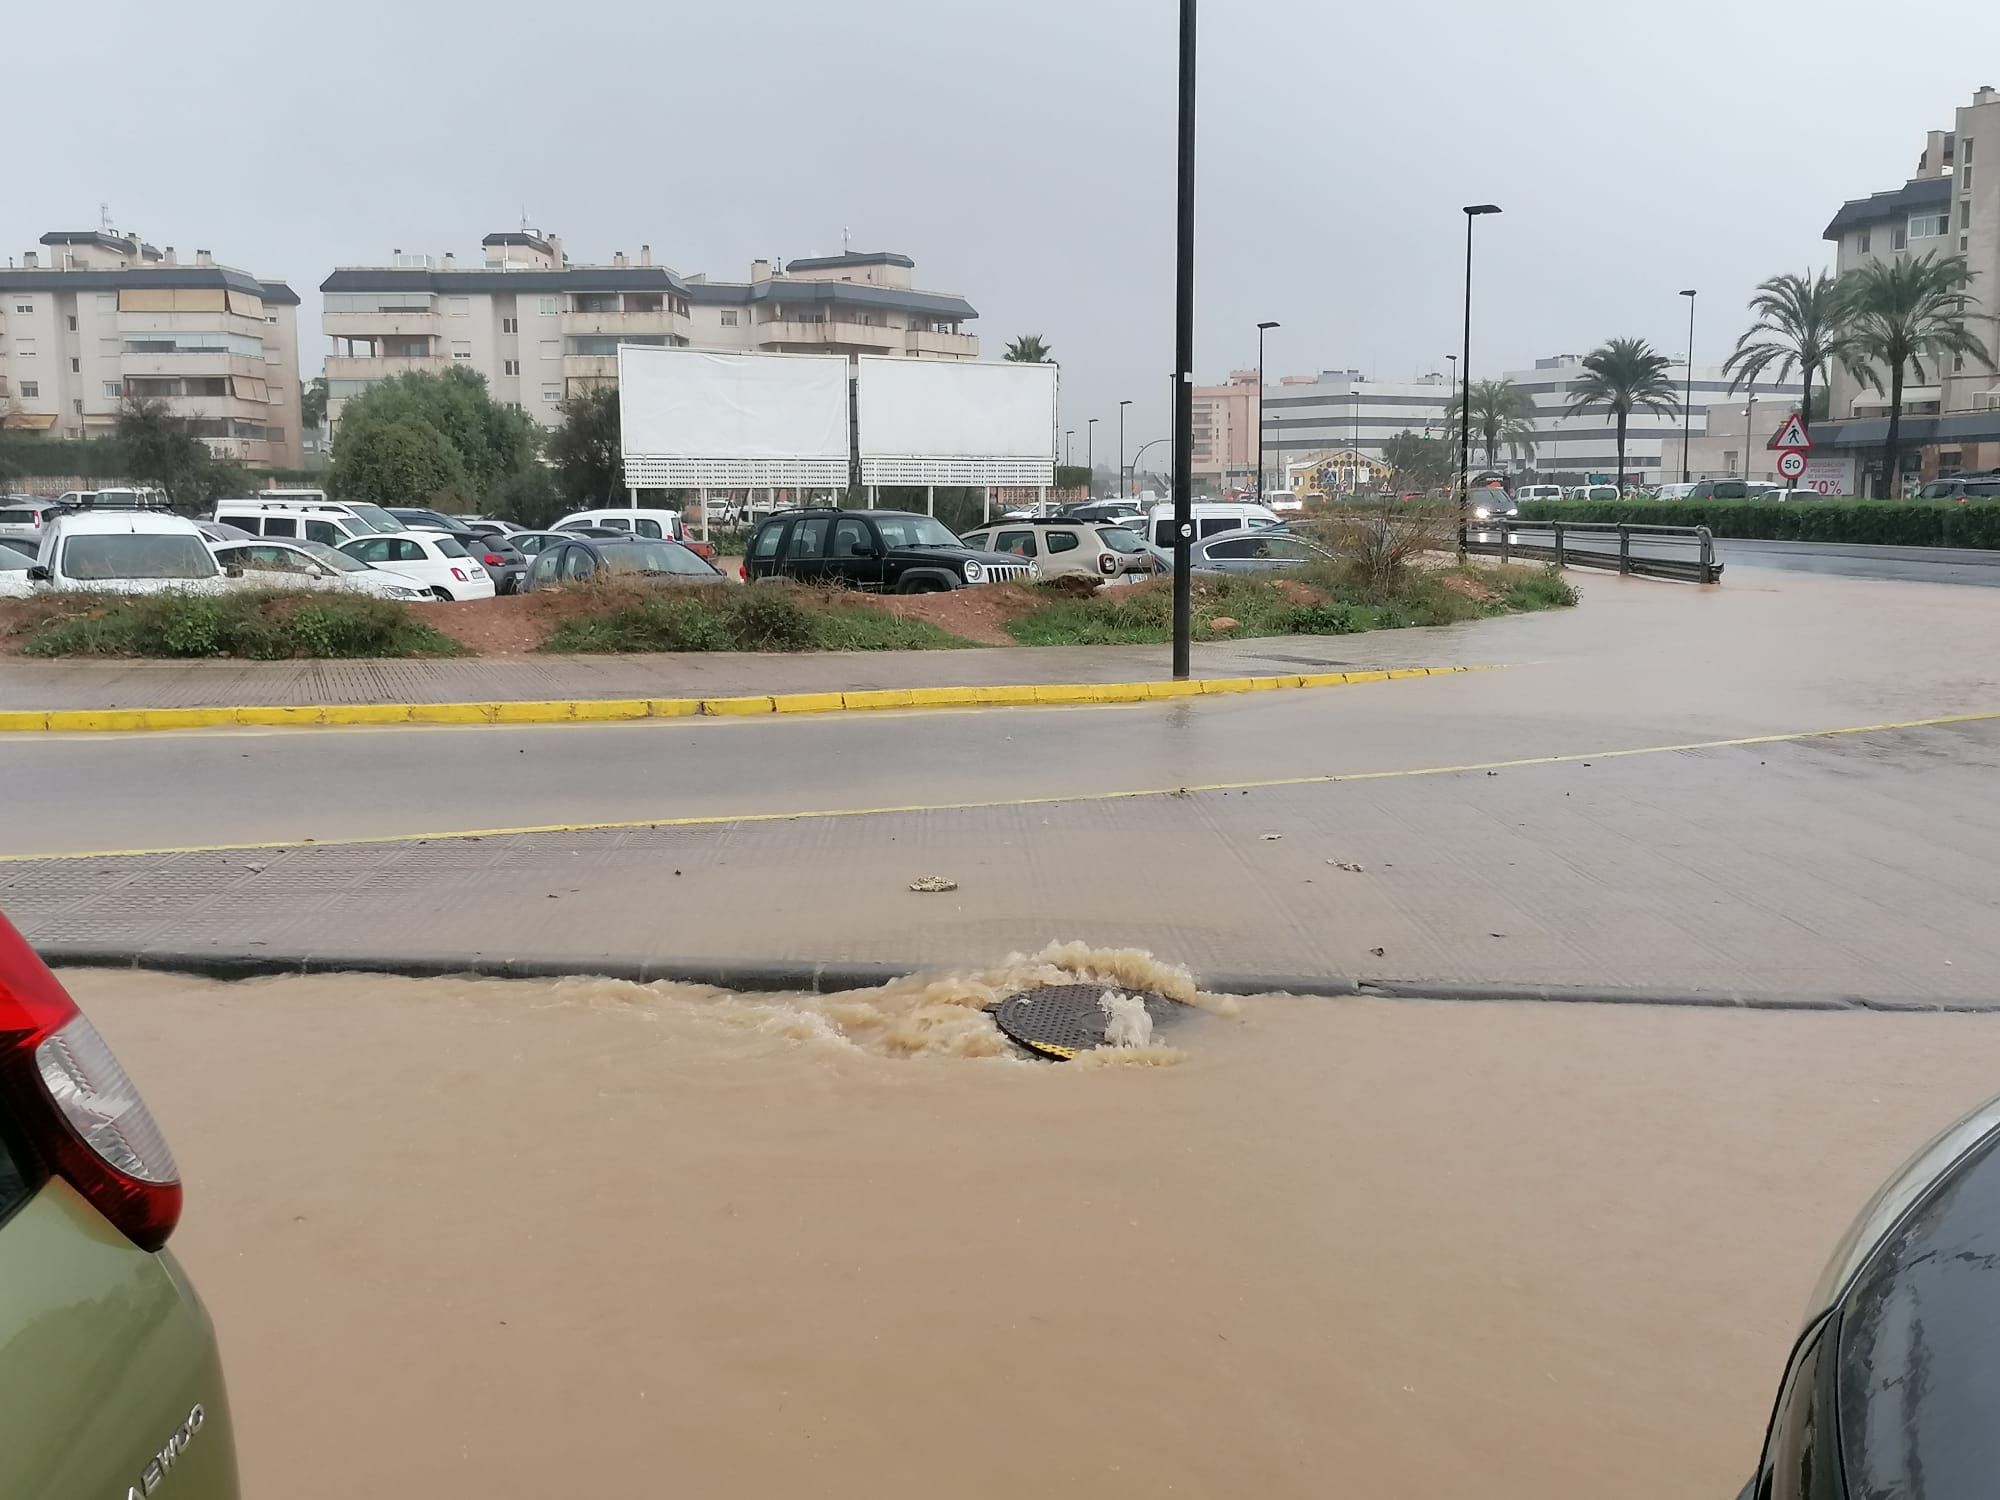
(259, 626)
(1900, 523)
(767, 617)
(1542, 588)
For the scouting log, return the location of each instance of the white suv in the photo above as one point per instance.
(127, 552)
(1528, 492)
(1095, 549)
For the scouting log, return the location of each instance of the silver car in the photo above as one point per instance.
(1257, 549)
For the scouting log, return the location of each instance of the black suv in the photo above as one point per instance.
(882, 551)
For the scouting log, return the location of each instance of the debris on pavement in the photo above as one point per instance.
(1343, 864)
(932, 884)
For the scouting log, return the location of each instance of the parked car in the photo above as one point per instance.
(1257, 549)
(304, 519)
(108, 1358)
(437, 561)
(14, 581)
(638, 521)
(488, 526)
(1117, 512)
(578, 559)
(222, 531)
(505, 563)
(1962, 487)
(21, 546)
(882, 551)
(314, 565)
(1586, 492)
(1532, 492)
(1675, 491)
(1783, 495)
(127, 552)
(1721, 489)
(1110, 554)
(1887, 1391)
(1492, 503)
(1210, 517)
(24, 516)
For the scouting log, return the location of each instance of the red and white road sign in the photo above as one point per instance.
(1792, 463)
(1792, 434)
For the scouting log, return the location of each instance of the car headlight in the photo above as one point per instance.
(1034, 570)
(975, 572)
(397, 591)
(1483, 513)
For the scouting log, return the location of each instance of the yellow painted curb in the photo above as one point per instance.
(610, 710)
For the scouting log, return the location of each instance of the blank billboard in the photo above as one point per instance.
(927, 421)
(697, 417)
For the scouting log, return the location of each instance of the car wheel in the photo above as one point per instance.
(920, 586)
(442, 595)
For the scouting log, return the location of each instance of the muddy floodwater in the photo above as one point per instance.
(493, 1240)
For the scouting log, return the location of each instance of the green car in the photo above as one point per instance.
(108, 1360)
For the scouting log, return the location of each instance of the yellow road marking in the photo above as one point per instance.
(599, 710)
(1054, 800)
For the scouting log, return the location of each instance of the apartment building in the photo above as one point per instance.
(1951, 207)
(95, 317)
(541, 328)
(1340, 413)
(1225, 433)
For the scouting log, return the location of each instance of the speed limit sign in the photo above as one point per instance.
(1791, 463)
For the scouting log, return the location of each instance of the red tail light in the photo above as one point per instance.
(743, 571)
(80, 1112)
(459, 574)
(491, 559)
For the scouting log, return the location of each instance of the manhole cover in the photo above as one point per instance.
(1061, 1020)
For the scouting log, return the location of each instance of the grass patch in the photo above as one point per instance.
(257, 626)
(1312, 602)
(763, 617)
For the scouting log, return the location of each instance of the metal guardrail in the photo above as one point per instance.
(1686, 552)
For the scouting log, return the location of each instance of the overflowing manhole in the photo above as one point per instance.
(1060, 1020)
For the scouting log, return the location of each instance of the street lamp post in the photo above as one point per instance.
(1069, 448)
(1687, 403)
(1124, 484)
(1749, 429)
(1183, 414)
(1262, 329)
(1090, 457)
(1472, 211)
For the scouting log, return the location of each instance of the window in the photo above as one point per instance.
(1214, 524)
(1927, 226)
(1020, 543)
(374, 550)
(1062, 541)
(546, 564)
(851, 539)
(401, 550)
(24, 307)
(1965, 214)
(1965, 150)
(72, 322)
(458, 307)
(548, 306)
(765, 543)
(281, 526)
(1899, 238)
(77, 406)
(323, 531)
(552, 393)
(1965, 178)
(729, 320)
(114, 389)
(511, 367)
(76, 367)
(1861, 242)
(510, 325)
(30, 389)
(808, 539)
(645, 527)
(1278, 547)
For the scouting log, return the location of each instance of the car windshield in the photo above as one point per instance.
(448, 545)
(1941, 489)
(141, 555)
(1118, 539)
(333, 557)
(656, 557)
(374, 518)
(915, 531)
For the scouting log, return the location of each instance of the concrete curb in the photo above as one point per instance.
(828, 978)
(606, 710)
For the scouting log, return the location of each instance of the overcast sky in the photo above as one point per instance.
(1023, 153)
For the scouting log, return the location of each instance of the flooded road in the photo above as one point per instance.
(473, 1238)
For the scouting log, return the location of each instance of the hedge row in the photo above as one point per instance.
(1921, 523)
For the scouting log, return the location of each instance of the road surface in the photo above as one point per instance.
(1839, 559)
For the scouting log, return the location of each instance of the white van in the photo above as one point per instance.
(659, 524)
(127, 552)
(286, 514)
(1210, 516)
(1530, 492)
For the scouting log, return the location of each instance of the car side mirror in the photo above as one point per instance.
(38, 574)
(862, 549)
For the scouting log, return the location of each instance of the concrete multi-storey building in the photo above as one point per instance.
(95, 318)
(1341, 413)
(1950, 207)
(542, 329)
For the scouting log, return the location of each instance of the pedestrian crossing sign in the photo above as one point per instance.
(1792, 434)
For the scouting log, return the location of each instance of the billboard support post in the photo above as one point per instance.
(930, 500)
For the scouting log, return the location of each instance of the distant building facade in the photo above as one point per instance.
(1951, 418)
(541, 329)
(95, 318)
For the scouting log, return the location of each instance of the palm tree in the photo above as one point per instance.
(1028, 349)
(1803, 323)
(1624, 376)
(1503, 415)
(1905, 311)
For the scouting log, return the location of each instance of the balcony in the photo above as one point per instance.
(192, 362)
(941, 345)
(375, 325)
(833, 336)
(626, 324)
(381, 369)
(590, 367)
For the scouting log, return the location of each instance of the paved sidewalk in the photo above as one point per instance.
(1858, 867)
(203, 684)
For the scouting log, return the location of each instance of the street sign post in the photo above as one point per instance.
(1792, 463)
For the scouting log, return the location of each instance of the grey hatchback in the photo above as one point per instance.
(578, 559)
(1257, 549)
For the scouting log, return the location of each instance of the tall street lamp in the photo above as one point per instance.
(1090, 456)
(1183, 413)
(1472, 211)
(1687, 403)
(1124, 485)
(1262, 329)
(1069, 448)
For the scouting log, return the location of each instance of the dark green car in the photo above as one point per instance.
(113, 1388)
